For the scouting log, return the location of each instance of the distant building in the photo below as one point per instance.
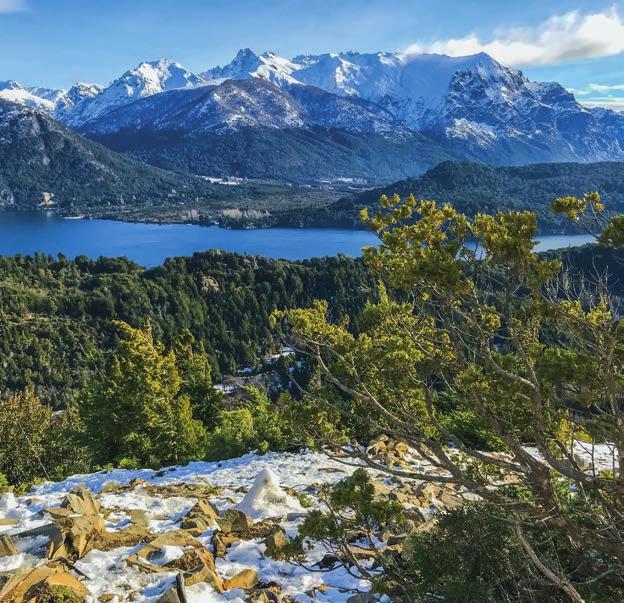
(47, 199)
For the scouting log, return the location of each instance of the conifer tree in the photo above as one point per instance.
(196, 374)
(137, 413)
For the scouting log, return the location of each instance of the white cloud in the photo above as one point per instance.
(12, 6)
(605, 87)
(560, 38)
(610, 102)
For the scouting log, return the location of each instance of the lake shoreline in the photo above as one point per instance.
(339, 224)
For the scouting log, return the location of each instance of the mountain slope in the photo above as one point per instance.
(475, 103)
(301, 155)
(39, 158)
(235, 104)
(147, 79)
(472, 188)
(255, 129)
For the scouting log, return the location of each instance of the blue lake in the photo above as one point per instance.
(150, 244)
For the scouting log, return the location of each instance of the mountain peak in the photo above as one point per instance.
(244, 53)
(10, 85)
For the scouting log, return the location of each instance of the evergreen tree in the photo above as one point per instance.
(137, 412)
(520, 350)
(196, 373)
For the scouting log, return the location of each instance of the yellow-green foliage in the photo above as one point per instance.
(35, 443)
(138, 411)
(257, 425)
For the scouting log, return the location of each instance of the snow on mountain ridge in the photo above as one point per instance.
(13, 91)
(407, 85)
(233, 104)
(147, 79)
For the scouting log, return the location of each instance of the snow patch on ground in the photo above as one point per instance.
(267, 498)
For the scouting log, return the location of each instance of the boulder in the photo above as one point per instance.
(60, 513)
(179, 538)
(363, 554)
(196, 564)
(138, 520)
(81, 501)
(192, 559)
(200, 518)
(233, 521)
(76, 536)
(204, 574)
(245, 579)
(8, 521)
(221, 542)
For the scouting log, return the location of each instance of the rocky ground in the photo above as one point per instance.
(204, 532)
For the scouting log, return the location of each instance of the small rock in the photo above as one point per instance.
(7, 548)
(221, 541)
(276, 541)
(175, 593)
(234, 520)
(246, 580)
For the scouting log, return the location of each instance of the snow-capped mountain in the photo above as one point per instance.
(53, 101)
(471, 107)
(147, 79)
(413, 87)
(13, 91)
(54, 95)
(234, 104)
(247, 64)
(472, 101)
(71, 104)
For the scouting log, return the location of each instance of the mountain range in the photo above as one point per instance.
(378, 116)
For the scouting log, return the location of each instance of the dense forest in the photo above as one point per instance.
(56, 315)
(294, 155)
(38, 156)
(473, 188)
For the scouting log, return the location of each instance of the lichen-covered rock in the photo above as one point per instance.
(233, 521)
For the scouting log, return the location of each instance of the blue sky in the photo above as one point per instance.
(56, 42)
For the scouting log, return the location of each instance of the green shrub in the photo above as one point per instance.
(36, 443)
(54, 593)
(472, 554)
(257, 425)
(138, 412)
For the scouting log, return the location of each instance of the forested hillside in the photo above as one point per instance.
(56, 315)
(473, 188)
(295, 154)
(41, 160)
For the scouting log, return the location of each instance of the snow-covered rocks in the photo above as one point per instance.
(137, 555)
